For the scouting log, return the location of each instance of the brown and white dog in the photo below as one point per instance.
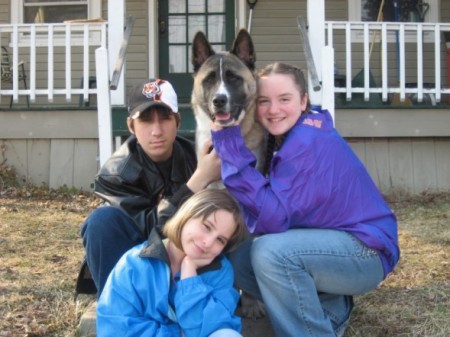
(224, 91)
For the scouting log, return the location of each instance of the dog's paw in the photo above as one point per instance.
(251, 307)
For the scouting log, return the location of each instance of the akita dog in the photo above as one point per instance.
(224, 91)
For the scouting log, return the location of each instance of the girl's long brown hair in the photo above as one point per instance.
(299, 80)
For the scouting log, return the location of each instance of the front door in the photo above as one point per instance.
(179, 20)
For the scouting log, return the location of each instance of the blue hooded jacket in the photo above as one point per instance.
(140, 298)
(315, 181)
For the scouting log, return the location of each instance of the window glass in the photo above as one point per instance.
(54, 14)
(177, 57)
(216, 6)
(177, 6)
(216, 28)
(196, 6)
(406, 10)
(196, 23)
(177, 29)
(54, 11)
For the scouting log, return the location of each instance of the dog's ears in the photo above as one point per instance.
(201, 50)
(243, 48)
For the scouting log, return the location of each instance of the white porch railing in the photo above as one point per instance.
(408, 52)
(57, 57)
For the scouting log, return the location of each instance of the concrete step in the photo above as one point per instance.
(250, 327)
(86, 328)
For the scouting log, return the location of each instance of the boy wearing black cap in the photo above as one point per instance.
(143, 182)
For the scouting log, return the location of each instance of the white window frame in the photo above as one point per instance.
(432, 16)
(94, 12)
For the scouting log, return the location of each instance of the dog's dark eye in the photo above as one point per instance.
(232, 77)
(210, 79)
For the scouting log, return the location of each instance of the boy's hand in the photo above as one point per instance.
(208, 168)
(217, 126)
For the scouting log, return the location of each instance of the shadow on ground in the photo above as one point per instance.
(257, 328)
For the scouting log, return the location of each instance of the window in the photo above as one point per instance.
(199, 15)
(35, 11)
(407, 11)
(53, 11)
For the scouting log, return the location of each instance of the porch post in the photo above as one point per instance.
(153, 37)
(316, 34)
(116, 25)
(241, 13)
(328, 80)
(103, 105)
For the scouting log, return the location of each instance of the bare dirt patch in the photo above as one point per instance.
(40, 253)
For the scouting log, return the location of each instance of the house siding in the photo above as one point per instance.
(55, 148)
(406, 165)
(275, 34)
(4, 11)
(137, 53)
(63, 150)
(5, 18)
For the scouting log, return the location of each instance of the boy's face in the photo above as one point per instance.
(155, 132)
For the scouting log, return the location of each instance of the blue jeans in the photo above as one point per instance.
(306, 278)
(108, 232)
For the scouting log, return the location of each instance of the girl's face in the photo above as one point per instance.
(206, 238)
(279, 103)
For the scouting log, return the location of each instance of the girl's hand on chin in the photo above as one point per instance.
(189, 266)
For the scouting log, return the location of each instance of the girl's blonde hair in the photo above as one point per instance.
(201, 205)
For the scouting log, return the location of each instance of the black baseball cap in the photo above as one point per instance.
(152, 92)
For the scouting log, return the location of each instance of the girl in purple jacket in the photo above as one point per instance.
(322, 231)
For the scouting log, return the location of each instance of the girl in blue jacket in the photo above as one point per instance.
(322, 231)
(182, 286)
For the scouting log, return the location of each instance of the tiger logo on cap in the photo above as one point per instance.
(152, 90)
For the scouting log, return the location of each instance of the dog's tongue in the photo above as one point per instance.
(223, 116)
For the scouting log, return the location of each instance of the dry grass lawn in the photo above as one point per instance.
(40, 253)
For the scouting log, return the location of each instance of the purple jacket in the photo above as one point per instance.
(316, 181)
